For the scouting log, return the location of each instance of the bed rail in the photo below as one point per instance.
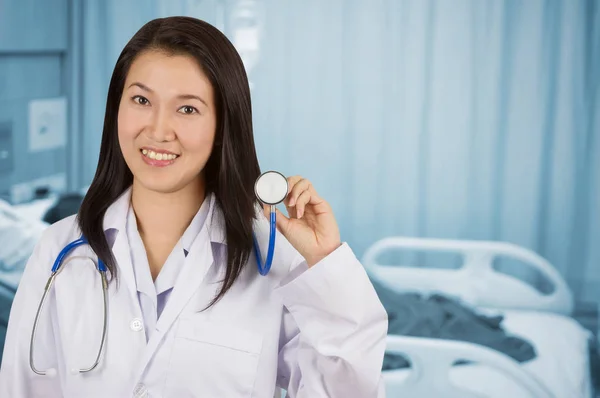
(476, 282)
(437, 356)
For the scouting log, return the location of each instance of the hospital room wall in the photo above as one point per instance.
(462, 119)
(33, 65)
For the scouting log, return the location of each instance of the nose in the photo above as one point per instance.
(161, 128)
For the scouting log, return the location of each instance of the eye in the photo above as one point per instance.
(188, 110)
(138, 99)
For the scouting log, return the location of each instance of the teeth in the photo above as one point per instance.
(158, 156)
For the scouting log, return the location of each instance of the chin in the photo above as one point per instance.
(164, 183)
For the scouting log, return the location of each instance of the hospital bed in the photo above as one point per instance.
(561, 366)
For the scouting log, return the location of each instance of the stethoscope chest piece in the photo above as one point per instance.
(271, 188)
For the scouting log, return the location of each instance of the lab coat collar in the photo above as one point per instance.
(116, 214)
(215, 222)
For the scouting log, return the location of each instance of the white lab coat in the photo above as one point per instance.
(317, 332)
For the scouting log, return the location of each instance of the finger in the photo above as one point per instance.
(300, 186)
(292, 181)
(301, 202)
(282, 222)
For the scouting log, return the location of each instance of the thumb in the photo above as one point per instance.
(282, 222)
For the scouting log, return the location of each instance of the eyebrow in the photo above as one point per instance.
(181, 96)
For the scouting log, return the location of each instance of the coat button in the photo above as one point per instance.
(136, 324)
(140, 391)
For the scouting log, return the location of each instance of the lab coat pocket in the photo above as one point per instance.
(212, 360)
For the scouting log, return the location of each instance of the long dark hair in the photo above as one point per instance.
(232, 167)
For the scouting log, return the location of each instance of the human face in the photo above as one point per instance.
(167, 122)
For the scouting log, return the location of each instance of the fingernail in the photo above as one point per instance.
(300, 213)
(292, 202)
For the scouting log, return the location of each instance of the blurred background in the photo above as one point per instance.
(448, 119)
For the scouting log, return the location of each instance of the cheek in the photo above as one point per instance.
(128, 126)
(198, 139)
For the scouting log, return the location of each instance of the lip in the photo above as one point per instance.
(157, 163)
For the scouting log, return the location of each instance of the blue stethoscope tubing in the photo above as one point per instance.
(67, 249)
(264, 269)
(101, 267)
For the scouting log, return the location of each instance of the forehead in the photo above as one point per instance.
(168, 73)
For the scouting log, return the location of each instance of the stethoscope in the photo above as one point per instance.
(270, 188)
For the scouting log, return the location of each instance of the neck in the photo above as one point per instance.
(164, 216)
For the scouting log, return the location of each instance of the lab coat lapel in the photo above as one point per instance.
(197, 264)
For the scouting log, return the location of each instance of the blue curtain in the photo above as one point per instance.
(450, 119)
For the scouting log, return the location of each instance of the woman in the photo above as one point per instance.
(171, 211)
